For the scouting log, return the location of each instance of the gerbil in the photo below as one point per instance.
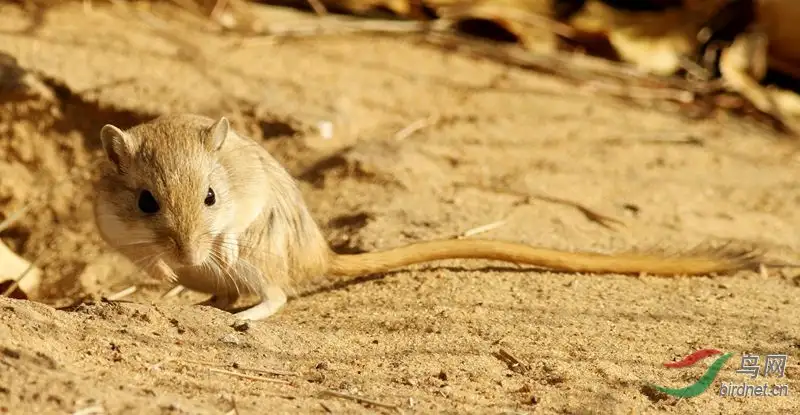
(192, 201)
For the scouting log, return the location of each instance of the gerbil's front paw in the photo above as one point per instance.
(222, 302)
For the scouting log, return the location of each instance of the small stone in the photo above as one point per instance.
(230, 338)
(316, 377)
(241, 325)
(10, 353)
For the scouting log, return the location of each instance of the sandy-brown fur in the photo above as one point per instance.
(273, 238)
(261, 207)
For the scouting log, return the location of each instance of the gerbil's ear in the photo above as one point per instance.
(217, 134)
(116, 144)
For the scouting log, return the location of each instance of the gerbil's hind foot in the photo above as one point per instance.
(272, 301)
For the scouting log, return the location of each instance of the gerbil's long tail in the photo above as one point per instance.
(695, 262)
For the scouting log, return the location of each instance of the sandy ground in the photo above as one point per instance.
(421, 339)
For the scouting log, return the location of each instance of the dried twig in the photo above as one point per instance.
(246, 376)
(252, 369)
(638, 92)
(174, 292)
(481, 229)
(415, 126)
(202, 363)
(514, 363)
(594, 216)
(329, 26)
(122, 294)
(270, 371)
(360, 400)
(318, 7)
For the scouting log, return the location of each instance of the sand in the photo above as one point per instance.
(426, 144)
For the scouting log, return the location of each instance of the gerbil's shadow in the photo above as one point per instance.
(338, 285)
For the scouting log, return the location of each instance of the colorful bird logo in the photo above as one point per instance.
(704, 382)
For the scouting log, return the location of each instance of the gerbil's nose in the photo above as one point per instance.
(191, 254)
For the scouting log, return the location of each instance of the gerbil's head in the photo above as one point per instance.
(166, 195)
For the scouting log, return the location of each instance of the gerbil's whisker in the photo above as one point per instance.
(256, 272)
(242, 245)
(217, 276)
(245, 262)
(240, 260)
(137, 243)
(153, 258)
(215, 265)
(217, 260)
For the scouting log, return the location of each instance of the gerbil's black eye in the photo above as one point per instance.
(211, 198)
(147, 203)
